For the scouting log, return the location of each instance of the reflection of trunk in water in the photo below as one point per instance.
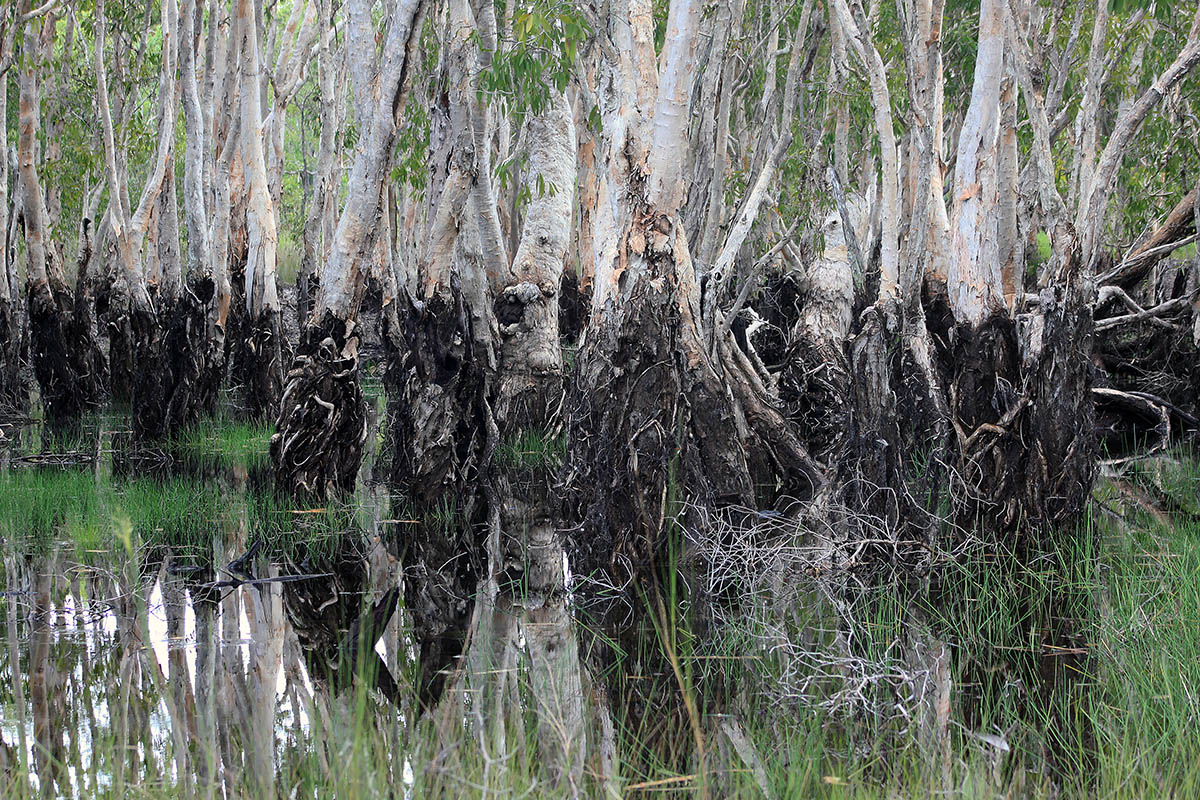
(338, 623)
(525, 597)
(264, 610)
(13, 572)
(179, 683)
(532, 541)
(205, 604)
(42, 682)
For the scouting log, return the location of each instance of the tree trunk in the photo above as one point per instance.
(64, 351)
(262, 347)
(441, 374)
(321, 429)
(317, 230)
(14, 345)
(530, 390)
(190, 358)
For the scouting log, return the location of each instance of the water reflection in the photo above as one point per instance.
(237, 646)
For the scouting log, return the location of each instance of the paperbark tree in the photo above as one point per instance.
(321, 219)
(14, 348)
(442, 372)
(66, 358)
(258, 360)
(654, 393)
(191, 358)
(319, 437)
(146, 288)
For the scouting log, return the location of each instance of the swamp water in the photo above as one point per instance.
(171, 628)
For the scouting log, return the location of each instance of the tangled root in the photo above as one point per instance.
(322, 424)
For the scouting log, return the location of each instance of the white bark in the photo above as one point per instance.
(341, 280)
(710, 159)
(1009, 250)
(8, 267)
(262, 294)
(973, 280)
(889, 262)
(749, 213)
(290, 67)
(195, 147)
(532, 354)
(668, 140)
(42, 269)
(131, 226)
(324, 187)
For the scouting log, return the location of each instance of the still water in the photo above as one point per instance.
(172, 628)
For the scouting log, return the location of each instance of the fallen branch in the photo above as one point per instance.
(1145, 314)
(1171, 234)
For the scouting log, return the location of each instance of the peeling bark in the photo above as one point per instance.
(530, 390)
(306, 451)
(64, 351)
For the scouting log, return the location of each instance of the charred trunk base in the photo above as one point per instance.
(1023, 418)
(1162, 363)
(644, 442)
(66, 358)
(438, 377)
(574, 306)
(14, 354)
(317, 448)
(258, 357)
(638, 435)
(814, 389)
(438, 381)
(890, 470)
(178, 363)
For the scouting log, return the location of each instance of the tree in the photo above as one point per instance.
(66, 359)
(318, 443)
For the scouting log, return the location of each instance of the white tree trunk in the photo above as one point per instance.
(262, 293)
(531, 355)
(973, 280)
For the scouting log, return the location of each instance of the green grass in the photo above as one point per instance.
(233, 441)
(1083, 661)
(531, 449)
(37, 505)
(1148, 639)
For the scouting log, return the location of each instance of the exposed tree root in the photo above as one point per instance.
(66, 358)
(626, 428)
(814, 388)
(14, 355)
(322, 428)
(1130, 425)
(574, 305)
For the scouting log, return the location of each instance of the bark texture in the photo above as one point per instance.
(318, 442)
(530, 390)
